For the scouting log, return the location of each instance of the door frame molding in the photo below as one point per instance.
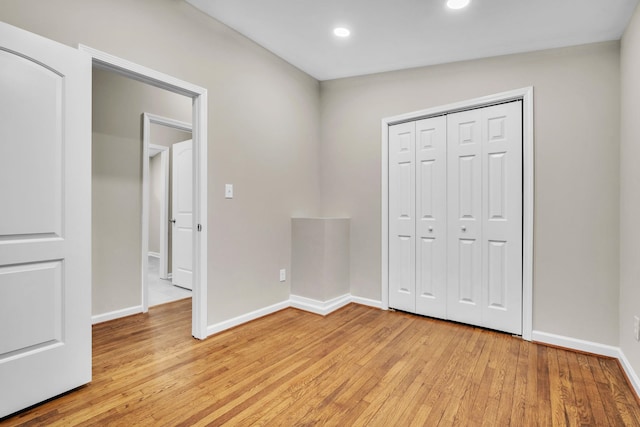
(105, 61)
(147, 120)
(526, 95)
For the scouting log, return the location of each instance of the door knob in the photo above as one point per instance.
(430, 229)
(464, 228)
(172, 220)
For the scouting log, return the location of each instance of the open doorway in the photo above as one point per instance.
(196, 97)
(165, 139)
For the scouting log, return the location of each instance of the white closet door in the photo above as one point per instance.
(431, 217)
(455, 209)
(464, 192)
(402, 223)
(502, 217)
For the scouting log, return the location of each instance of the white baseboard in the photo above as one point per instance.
(575, 344)
(591, 347)
(631, 374)
(154, 254)
(105, 317)
(366, 301)
(228, 324)
(319, 307)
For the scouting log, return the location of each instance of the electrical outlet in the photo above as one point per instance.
(283, 275)
(636, 327)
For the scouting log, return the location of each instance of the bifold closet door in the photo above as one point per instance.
(484, 191)
(417, 212)
(402, 223)
(431, 217)
(455, 217)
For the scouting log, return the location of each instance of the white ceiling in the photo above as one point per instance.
(395, 34)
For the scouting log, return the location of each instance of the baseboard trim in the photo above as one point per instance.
(591, 347)
(236, 321)
(112, 315)
(154, 254)
(575, 344)
(366, 301)
(628, 370)
(307, 304)
(319, 307)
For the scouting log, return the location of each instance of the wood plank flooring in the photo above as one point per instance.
(358, 366)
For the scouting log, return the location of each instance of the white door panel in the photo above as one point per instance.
(42, 284)
(34, 206)
(464, 195)
(182, 206)
(402, 224)
(431, 217)
(502, 219)
(45, 229)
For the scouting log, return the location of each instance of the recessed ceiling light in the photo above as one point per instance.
(458, 4)
(341, 32)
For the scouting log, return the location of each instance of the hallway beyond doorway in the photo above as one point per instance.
(162, 291)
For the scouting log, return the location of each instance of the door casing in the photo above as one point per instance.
(526, 95)
(198, 95)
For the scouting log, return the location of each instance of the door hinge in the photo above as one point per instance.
(199, 227)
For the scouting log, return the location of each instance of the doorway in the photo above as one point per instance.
(198, 96)
(160, 136)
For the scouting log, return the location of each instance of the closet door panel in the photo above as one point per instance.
(402, 207)
(431, 217)
(502, 217)
(464, 194)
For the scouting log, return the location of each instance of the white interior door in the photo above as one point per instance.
(502, 217)
(402, 222)
(182, 206)
(464, 188)
(45, 219)
(431, 217)
(485, 217)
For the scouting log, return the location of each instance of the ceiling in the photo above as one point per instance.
(396, 34)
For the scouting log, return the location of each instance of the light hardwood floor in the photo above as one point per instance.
(358, 366)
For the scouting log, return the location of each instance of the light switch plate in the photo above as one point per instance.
(228, 191)
(283, 275)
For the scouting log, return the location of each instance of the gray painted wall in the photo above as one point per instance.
(263, 131)
(577, 107)
(320, 258)
(155, 205)
(630, 190)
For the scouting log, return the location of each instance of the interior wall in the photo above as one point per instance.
(155, 205)
(577, 107)
(263, 131)
(118, 104)
(630, 190)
